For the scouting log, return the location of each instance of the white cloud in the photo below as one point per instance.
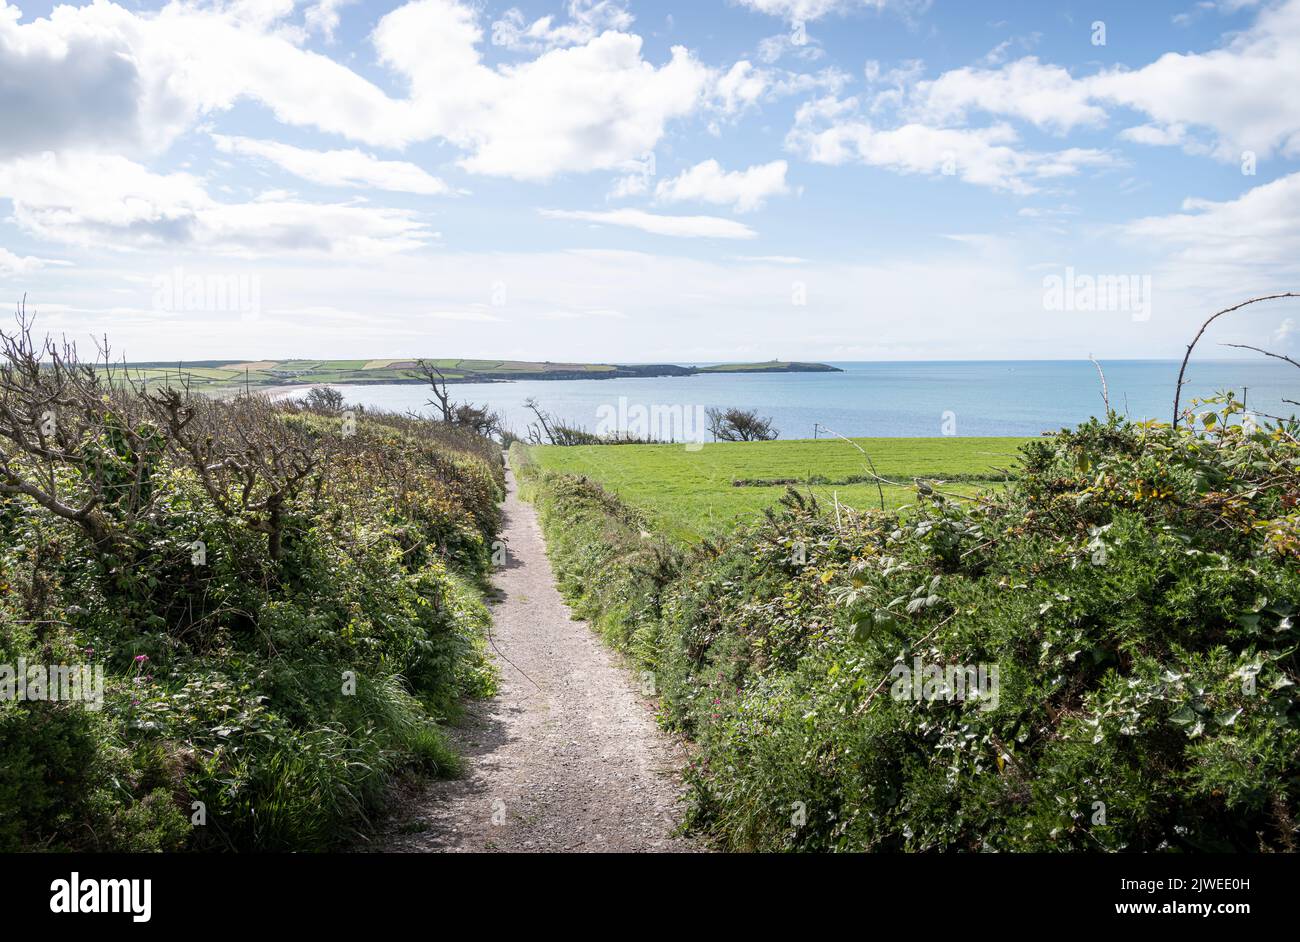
(1044, 95)
(323, 16)
(805, 11)
(85, 199)
(825, 81)
(1284, 331)
(1206, 6)
(1218, 252)
(1219, 102)
(587, 107)
(741, 86)
(795, 10)
(347, 168)
(1235, 93)
(1000, 53)
(744, 86)
(262, 14)
(830, 131)
(102, 77)
(1156, 136)
(1256, 233)
(798, 45)
(78, 78)
(889, 87)
(587, 20)
(744, 190)
(632, 184)
(711, 227)
(12, 264)
(952, 301)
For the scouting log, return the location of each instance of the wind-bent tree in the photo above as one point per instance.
(324, 399)
(480, 419)
(740, 425)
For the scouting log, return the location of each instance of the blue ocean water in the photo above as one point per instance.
(966, 398)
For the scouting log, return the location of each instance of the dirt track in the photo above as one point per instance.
(568, 756)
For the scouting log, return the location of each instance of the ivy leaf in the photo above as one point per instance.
(1228, 717)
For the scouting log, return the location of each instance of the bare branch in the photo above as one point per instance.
(1267, 353)
(1105, 393)
(1182, 370)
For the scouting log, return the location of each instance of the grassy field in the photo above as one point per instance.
(689, 494)
(216, 375)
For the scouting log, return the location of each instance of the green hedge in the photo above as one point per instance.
(284, 695)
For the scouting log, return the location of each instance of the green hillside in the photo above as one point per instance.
(217, 375)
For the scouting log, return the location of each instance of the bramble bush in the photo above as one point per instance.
(285, 602)
(1135, 587)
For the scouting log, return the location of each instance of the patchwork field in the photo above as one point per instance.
(690, 494)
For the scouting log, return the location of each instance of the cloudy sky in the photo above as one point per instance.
(637, 181)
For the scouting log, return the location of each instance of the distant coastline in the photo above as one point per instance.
(212, 375)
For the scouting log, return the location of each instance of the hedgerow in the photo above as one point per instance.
(1134, 587)
(285, 605)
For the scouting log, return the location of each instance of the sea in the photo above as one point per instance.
(887, 399)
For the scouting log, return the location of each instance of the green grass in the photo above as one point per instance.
(690, 494)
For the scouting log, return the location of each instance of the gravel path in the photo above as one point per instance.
(567, 757)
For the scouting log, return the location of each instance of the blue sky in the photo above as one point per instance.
(607, 180)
